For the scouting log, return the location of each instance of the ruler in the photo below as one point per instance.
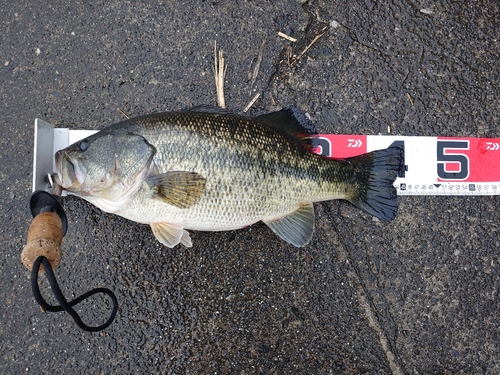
(433, 165)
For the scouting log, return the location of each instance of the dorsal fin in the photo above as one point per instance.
(206, 108)
(293, 121)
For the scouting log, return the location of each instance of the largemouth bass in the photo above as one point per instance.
(207, 170)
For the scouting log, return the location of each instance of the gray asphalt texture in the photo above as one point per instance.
(419, 295)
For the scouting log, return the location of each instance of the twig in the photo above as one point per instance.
(287, 37)
(124, 114)
(310, 45)
(251, 102)
(220, 74)
(409, 98)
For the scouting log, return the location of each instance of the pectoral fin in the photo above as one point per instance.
(171, 234)
(295, 228)
(180, 189)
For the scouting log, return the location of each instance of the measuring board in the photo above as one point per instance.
(433, 165)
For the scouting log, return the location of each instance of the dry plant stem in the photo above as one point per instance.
(251, 102)
(124, 114)
(287, 37)
(310, 45)
(220, 73)
(409, 98)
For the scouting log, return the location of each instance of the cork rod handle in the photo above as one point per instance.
(44, 239)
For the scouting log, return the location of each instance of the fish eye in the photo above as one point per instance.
(84, 145)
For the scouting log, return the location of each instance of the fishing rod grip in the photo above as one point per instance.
(44, 239)
(46, 231)
(43, 250)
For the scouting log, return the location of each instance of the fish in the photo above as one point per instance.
(206, 169)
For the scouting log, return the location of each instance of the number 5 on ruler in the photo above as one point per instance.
(452, 165)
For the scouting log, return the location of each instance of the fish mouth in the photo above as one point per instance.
(70, 173)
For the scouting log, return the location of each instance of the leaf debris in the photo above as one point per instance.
(257, 63)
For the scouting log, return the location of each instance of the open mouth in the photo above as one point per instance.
(69, 172)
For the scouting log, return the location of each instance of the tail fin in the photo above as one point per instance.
(375, 173)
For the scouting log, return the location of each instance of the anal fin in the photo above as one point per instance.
(171, 234)
(295, 228)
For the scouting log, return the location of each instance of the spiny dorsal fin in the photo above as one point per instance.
(178, 188)
(206, 108)
(293, 121)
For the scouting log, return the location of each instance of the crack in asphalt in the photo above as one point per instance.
(365, 302)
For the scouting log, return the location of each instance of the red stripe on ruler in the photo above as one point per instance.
(340, 146)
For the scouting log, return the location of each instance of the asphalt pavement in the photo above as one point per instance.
(418, 295)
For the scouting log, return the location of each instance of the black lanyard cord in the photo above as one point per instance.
(64, 304)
